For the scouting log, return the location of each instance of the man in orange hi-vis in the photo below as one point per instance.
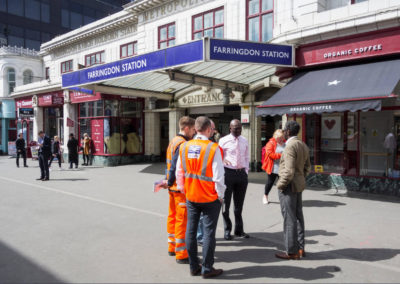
(177, 216)
(200, 172)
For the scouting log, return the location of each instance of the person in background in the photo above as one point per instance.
(217, 135)
(177, 215)
(73, 148)
(293, 168)
(92, 151)
(200, 174)
(56, 151)
(272, 152)
(20, 145)
(44, 155)
(236, 162)
(86, 149)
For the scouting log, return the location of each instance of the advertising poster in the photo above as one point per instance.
(98, 135)
(12, 150)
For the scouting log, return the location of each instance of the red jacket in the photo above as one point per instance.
(269, 155)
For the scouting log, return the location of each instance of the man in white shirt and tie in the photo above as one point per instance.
(236, 163)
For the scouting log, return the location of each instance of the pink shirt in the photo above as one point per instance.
(236, 152)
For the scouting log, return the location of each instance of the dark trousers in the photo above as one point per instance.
(210, 212)
(23, 154)
(71, 164)
(44, 165)
(270, 183)
(85, 159)
(236, 184)
(58, 156)
(293, 220)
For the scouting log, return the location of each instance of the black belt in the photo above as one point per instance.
(236, 170)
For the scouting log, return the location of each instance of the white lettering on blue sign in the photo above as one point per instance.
(251, 52)
(134, 65)
(194, 152)
(103, 72)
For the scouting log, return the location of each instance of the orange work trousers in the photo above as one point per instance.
(176, 225)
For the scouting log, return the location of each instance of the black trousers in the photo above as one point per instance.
(85, 159)
(23, 154)
(270, 183)
(58, 156)
(44, 165)
(236, 184)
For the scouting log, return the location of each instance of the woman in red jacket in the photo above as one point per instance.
(272, 152)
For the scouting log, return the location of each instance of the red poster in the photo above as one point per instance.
(98, 135)
(78, 97)
(51, 99)
(23, 103)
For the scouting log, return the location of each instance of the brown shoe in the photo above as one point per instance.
(283, 255)
(196, 272)
(302, 253)
(213, 273)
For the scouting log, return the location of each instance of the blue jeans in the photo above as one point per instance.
(210, 212)
(200, 230)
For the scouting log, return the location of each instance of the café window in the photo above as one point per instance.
(66, 66)
(166, 35)
(128, 49)
(210, 23)
(259, 14)
(115, 125)
(94, 58)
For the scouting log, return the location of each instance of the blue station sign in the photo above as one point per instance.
(195, 51)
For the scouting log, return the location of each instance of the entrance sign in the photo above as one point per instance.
(188, 53)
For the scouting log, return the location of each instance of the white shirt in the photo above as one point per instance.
(217, 168)
(236, 152)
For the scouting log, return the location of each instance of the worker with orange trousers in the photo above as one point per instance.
(200, 173)
(177, 216)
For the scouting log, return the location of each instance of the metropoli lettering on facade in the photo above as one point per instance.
(113, 70)
(348, 52)
(251, 52)
(310, 108)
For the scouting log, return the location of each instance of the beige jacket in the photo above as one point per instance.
(294, 165)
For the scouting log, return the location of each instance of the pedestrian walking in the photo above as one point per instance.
(236, 162)
(271, 156)
(293, 168)
(200, 173)
(86, 145)
(177, 215)
(21, 151)
(44, 155)
(73, 148)
(56, 151)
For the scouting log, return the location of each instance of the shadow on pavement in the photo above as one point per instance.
(360, 254)
(321, 203)
(15, 268)
(284, 272)
(156, 168)
(68, 179)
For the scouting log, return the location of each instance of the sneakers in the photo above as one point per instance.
(265, 199)
(213, 273)
(182, 261)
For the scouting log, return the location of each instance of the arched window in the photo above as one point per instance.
(11, 79)
(28, 77)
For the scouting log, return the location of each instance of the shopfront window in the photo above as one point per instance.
(118, 129)
(210, 23)
(51, 117)
(259, 20)
(166, 35)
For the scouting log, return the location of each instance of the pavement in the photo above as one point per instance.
(105, 225)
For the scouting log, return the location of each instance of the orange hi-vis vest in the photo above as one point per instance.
(197, 157)
(173, 145)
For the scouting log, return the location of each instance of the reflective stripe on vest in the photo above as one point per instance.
(180, 241)
(205, 160)
(183, 158)
(202, 177)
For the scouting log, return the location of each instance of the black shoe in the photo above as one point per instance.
(45, 179)
(25, 166)
(227, 236)
(171, 253)
(242, 235)
(196, 272)
(183, 261)
(39, 178)
(213, 273)
(17, 166)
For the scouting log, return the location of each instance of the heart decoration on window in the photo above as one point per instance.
(330, 123)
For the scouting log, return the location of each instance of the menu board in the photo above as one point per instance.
(98, 135)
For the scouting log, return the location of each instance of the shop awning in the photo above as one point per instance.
(349, 88)
(217, 63)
